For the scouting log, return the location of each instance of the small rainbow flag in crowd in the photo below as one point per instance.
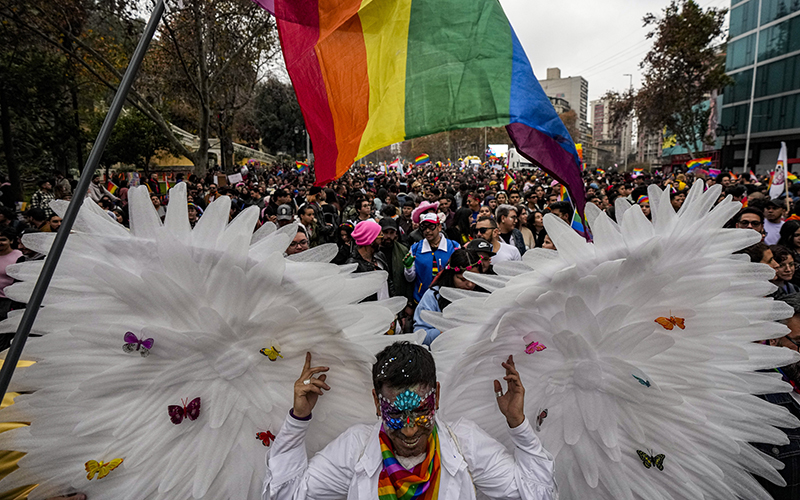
(564, 195)
(422, 159)
(508, 181)
(166, 184)
(301, 166)
(792, 177)
(577, 223)
(699, 162)
(112, 188)
(601, 171)
(638, 170)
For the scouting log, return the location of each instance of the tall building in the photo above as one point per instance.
(574, 89)
(615, 142)
(765, 42)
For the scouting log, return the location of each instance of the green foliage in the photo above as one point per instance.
(684, 66)
(134, 140)
(278, 118)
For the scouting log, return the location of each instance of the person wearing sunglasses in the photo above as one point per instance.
(487, 229)
(427, 257)
(461, 261)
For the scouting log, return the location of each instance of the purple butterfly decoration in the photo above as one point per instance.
(132, 343)
(190, 411)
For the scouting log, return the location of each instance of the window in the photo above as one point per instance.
(741, 88)
(778, 77)
(735, 116)
(740, 53)
(744, 18)
(774, 9)
(780, 39)
(780, 113)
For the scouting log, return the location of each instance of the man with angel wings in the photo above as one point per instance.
(409, 453)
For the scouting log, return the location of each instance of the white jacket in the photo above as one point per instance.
(349, 466)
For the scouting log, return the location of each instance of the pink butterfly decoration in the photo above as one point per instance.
(190, 411)
(534, 347)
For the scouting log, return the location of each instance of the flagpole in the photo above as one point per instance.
(50, 263)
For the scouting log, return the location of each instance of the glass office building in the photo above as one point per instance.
(764, 42)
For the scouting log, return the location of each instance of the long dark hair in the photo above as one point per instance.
(461, 260)
(461, 229)
(787, 234)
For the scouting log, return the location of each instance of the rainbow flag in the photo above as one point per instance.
(601, 171)
(166, 184)
(112, 188)
(564, 194)
(638, 170)
(301, 166)
(792, 177)
(699, 162)
(508, 181)
(577, 223)
(422, 159)
(368, 74)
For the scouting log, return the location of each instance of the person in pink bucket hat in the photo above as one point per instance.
(368, 256)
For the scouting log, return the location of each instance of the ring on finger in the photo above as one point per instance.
(498, 394)
(307, 381)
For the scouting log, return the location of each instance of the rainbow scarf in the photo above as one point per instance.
(421, 483)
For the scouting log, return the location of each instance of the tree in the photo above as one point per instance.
(570, 120)
(134, 141)
(277, 116)
(202, 66)
(680, 71)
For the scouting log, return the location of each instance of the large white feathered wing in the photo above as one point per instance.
(622, 390)
(211, 297)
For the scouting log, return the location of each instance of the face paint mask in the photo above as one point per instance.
(409, 409)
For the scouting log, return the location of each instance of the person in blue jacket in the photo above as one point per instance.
(452, 276)
(427, 257)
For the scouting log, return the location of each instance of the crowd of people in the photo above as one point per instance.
(429, 227)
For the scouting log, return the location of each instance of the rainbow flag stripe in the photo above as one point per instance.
(699, 162)
(508, 181)
(422, 159)
(370, 74)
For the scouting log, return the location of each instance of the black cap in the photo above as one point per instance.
(776, 203)
(284, 212)
(388, 223)
(480, 245)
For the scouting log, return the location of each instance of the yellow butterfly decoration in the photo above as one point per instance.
(101, 468)
(650, 460)
(272, 352)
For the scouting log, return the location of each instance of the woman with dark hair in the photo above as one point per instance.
(785, 271)
(453, 277)
(522, 224)
(536, 225)
(345, 242)
(790, 238)
(461, 229)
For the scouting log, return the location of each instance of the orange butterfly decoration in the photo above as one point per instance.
(671, 322)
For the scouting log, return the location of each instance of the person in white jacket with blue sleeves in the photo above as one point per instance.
(410, 452)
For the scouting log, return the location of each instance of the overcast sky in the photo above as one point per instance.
(600, 40)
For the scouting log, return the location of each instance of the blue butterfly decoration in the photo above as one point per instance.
(644, 382)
